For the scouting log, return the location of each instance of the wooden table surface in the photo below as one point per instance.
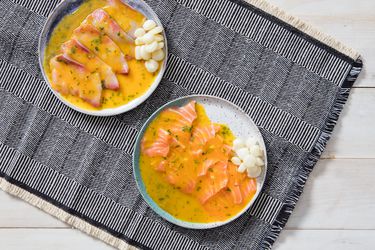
(336, 210)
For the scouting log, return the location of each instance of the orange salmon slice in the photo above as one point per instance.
(183, 117)
(215, 180)
(160, 147)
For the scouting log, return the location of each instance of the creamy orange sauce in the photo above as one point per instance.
(173, 198)
(133, 84)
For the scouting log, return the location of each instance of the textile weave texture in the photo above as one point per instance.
(291, 84)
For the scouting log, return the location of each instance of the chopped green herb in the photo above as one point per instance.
(187, 128)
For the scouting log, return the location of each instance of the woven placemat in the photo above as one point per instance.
(291, 79)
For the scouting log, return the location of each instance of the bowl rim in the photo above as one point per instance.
(44, 39)
(154, 206)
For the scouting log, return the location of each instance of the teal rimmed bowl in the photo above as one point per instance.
(219, 111)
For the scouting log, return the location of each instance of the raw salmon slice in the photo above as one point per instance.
(180, 122)
(248, 187)
(183, 116)
(202, 134)
(103, 22)
(70, 78)
(181, 177)
(202, 170)
(160, 147)
(75, 51)
(220, 205)
(161, 166)
(215, 180)
(102, 46)
(234, 183)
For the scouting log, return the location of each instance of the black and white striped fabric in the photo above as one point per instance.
(293, 86)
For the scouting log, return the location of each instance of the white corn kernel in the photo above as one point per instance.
(148, 38)
(151, 65)
(236, 161)
(156, 30)
(259, 162)
(242, 168)
(254, 172)
(158, 55)
(249, 161)
(149, 24)
(255, 150)
(152, 47)
(242, 153)
(138, 55)
(139, 32)
(160, 45)
(251, 141)
(158, 38)
(145, 55)
(139, 41)
(238, 143)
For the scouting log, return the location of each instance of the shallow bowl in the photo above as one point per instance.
(68, 6)
(219, 111)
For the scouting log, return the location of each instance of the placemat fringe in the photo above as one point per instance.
(64, 216)
(304, 27)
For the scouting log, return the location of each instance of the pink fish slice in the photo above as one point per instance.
(75, 51)
(103, 46)
(103, 22)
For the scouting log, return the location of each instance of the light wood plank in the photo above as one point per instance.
(354, 134)
(61, 239)
(351, 22)
(362, 9)
(17, 213)
(47, 239)
(326, 239)
(339, 194)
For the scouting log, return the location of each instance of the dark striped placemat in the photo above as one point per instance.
(290, 78)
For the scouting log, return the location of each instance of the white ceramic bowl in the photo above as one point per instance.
(68, 6)
(219, 111)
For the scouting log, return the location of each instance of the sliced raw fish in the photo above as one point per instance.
(248, 187)
(202, 134)
(181, 177)
(103, 22)
(206, 164)
(215, 180)
(103, 46)
(71, 78)
(160, 147)
(75, 51)
(182, 118)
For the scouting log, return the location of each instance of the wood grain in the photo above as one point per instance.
(326, 240)
(339, 194)
(354, 134)
(48, 239)
(351, 22)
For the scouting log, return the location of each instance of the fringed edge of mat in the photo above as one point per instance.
(304, 27)
(64, 216)
(320, 145)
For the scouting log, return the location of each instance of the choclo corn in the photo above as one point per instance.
(149, 45)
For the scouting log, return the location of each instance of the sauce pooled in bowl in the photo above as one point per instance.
(186, 167)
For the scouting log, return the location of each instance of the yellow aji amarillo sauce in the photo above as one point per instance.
(133, 84)
(170, 198)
